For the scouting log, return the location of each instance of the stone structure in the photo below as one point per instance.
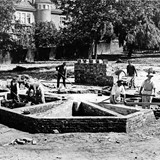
(92, 72)
(91, 118)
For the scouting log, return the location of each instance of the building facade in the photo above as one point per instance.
(31, 11)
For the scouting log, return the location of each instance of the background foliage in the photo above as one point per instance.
(45, 34)
(136, 24)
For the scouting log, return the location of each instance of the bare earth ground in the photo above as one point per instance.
(143, 144)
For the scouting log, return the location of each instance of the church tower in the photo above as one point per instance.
(43, 13)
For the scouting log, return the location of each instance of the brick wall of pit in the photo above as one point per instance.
(63, 125)
(73, 124)
(138, 120)
(92, 74)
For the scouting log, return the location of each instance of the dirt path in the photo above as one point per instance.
(141, 145)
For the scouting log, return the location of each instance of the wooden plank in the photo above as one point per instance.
(142, 103)
(144, 95)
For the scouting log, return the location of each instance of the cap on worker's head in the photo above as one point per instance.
(14, 78)
(120, 81)
(150, 75)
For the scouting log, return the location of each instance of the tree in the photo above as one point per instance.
(8, 32)
(86, 23)
(137, 23)
(7, 10)
(45, 36)
(23, 40)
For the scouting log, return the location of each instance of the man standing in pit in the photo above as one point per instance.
(62, 73)
(117, 93)
(131, 72)
(14, 90)
(35, 92)
(147, 91)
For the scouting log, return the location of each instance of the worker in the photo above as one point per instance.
(120, 73)
(131, 72)
(14, 88)
(147, 90)
(117, 92)
(35, 92)
(62, 73)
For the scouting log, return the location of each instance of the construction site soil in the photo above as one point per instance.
(142, 144)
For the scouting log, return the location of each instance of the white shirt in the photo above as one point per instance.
(148, 86)
(117, 91)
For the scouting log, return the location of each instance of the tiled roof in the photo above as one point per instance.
(27, 6)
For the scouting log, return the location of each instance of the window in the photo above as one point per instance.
(44, 6)
(28, 18)
(39, 6)
(18, 16)
(23, 18)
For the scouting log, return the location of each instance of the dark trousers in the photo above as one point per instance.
(15, 97)
(58, 80)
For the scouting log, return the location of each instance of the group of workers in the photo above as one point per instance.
(147, 89)
(35, 90)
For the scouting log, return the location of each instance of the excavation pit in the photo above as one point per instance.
(76, 116)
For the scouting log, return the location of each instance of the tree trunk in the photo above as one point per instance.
(95, 49)
(30, 55)
(5, 57)
(52, 53)
(90, 51)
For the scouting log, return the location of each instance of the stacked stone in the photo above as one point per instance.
(92, 72)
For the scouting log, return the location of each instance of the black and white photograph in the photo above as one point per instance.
(79, 79)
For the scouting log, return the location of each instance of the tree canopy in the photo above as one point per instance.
(6, 18)
(140, 20)
(136, 22)
(24, 36)
(86, 22)
(45, 34)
